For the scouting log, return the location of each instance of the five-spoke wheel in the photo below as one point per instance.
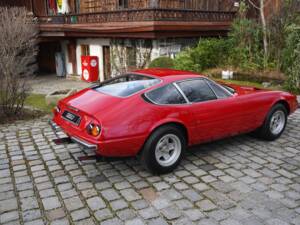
(274, 123)
(163, 150)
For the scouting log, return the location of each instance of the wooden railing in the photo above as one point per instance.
(134, 15)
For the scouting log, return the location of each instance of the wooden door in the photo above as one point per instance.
(72, 55)
(106, 62)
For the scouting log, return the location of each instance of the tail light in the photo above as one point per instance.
(56, 110)
(93, 129)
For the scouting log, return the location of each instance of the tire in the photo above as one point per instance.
(166, 141)
(268, 130)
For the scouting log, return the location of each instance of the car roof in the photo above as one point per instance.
(167, 73)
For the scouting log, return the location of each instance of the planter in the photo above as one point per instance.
(54, 97)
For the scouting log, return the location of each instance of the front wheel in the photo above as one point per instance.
(163, 150)
(274, 123)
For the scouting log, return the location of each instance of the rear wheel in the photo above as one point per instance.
(274, 123)
(163, 150)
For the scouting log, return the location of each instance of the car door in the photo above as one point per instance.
(215, 116)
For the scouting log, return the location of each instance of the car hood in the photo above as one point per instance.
(91, 102)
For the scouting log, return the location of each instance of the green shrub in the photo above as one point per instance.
(247, 47)
(162, 62)
(209, 53)
(291, 56)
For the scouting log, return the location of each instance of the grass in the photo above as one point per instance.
(37, 101)
(249, 83)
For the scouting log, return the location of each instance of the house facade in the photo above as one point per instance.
(123, 34)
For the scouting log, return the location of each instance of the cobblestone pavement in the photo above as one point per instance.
(234, 181)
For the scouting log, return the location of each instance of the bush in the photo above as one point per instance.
(291, 54)
(18, 50)
(247, 47)
(207, 54)
(162, 62)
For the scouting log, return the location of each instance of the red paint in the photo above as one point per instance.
(126, 123)
(89, 68)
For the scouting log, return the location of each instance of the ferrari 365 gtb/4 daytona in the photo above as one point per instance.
(156, 114)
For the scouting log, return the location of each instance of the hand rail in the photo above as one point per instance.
(147, 14)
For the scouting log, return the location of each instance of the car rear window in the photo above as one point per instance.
(126, 85)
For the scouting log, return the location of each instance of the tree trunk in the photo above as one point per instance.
(264, 28)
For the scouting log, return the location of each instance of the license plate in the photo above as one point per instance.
(71, 117)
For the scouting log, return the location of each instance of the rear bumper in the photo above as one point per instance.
(116, 147)
(74, 139)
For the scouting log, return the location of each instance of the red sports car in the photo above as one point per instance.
(156, 113)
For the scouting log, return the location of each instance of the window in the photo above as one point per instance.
(166, 95)
(230, 89)
(197, 90)
(219, 90)
(126, 85)
(123, 4)
(131, 57)
(85, 50)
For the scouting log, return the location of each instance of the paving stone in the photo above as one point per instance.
(110, 194)
(208, 222)
(148, 213)
(158, 221)
(171, 213)
(103, 214)
(149, 194)
(230, 222)
(192, 195)
(55, 214)
(184, 204)
(194, 214)
(35, 222)
(29, 203)
(73, 203)
(126, 214)
(30, 215)
(8, 205)
(64, 221)
(161, 186)
(135, 221)
(85, 222)
(80, 214)
(51, 203)
(118, 204)
(139, 204)
(130, 194)
(206, 205)
(96, 203)
(9, 216)
(201, 186)
(114, 221)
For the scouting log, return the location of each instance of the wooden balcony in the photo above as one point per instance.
(135, 22)
(135, 15)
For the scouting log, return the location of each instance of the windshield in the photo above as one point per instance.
(126, 85)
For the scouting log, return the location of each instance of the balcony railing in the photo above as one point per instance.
(135, 15)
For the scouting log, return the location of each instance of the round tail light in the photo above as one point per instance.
(56, 109)
(93, 129)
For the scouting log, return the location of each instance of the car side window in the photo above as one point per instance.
(197, 90)
(219, 91)
(166, 95)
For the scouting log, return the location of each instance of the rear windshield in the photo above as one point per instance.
(126, 85)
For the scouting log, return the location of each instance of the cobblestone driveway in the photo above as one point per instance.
(235, 181)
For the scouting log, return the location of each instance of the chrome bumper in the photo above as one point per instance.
(84, 144)
(54, 126)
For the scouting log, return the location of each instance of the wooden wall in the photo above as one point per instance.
(109, 5)
(17, 3)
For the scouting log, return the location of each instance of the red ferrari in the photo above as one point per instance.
(157, 113)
